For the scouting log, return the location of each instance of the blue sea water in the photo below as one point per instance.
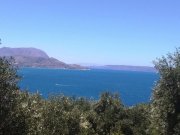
(133, 87)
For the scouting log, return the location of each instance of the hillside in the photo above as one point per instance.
(32, 57)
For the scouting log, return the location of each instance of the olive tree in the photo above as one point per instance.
(166, 96)
(9, 122)
(106, 114)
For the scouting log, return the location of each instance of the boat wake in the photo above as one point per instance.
(62, 85)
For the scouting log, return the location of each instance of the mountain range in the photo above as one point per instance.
(32, 57)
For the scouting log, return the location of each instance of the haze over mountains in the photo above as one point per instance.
(32, 57)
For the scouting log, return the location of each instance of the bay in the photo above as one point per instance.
(133, 87)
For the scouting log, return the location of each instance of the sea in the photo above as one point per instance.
(132, 86)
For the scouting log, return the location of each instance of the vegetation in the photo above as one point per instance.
(10, 121)
(22, 113)
(166, 96)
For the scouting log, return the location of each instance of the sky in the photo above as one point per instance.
(99, 32)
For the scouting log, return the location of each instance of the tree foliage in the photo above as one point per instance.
(166, 96)
(106, 112)
(61, 116)
(8, 92)
(22, 113)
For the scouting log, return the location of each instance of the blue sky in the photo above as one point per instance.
(125, 32)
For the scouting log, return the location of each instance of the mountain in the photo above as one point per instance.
(32, 57)
(25, 52)
(125, 68)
